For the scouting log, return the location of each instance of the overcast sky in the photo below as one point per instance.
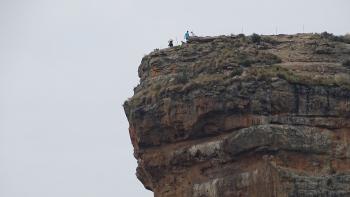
(66, 67)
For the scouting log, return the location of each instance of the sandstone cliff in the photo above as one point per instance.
(244, 116)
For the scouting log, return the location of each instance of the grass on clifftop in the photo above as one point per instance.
(266, 73)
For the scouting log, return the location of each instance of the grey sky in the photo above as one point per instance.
(66, 66)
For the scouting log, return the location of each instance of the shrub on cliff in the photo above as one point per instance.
(269, 39)
(324, 50)
(255, 38)
(346, 38)
(181, 78)
(346, 63)
(268, 58)
(241, 36)
(326, 35)
(244, 59)
(245, 62)
(332, 37)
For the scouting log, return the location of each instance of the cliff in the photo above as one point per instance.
(244, 116)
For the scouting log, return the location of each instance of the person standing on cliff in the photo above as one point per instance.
(170, 43)
(187, 36)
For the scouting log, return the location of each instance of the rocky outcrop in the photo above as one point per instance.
(244, 116)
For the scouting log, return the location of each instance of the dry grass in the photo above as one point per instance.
(266, 73)
(207, 79)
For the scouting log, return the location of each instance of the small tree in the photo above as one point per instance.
(326, 35)
(240, 35)
(256, 38)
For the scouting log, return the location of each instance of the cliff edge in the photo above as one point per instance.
(243, 115)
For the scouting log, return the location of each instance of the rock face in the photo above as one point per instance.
(244, 116)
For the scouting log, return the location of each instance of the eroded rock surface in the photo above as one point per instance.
(235, 116)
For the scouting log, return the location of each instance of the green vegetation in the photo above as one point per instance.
(241, 36)
(221, 62)
(181, 78)
(346, 38)
(145, 95)
(324, 50)
(207, 79)
(334, 38)
(245, 58)
(266, 73)
(261, 58)
(268, 58)
(255, 38)
(236, 71)
(346, 63)
(327, 35)
(269, 39)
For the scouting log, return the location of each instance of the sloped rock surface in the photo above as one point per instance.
(230, 116)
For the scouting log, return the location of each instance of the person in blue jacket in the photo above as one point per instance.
(187, 36)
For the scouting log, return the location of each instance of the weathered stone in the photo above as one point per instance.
(224, 116)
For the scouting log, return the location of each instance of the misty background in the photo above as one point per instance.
(67, 66)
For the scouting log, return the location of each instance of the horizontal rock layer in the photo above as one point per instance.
(244, 116)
